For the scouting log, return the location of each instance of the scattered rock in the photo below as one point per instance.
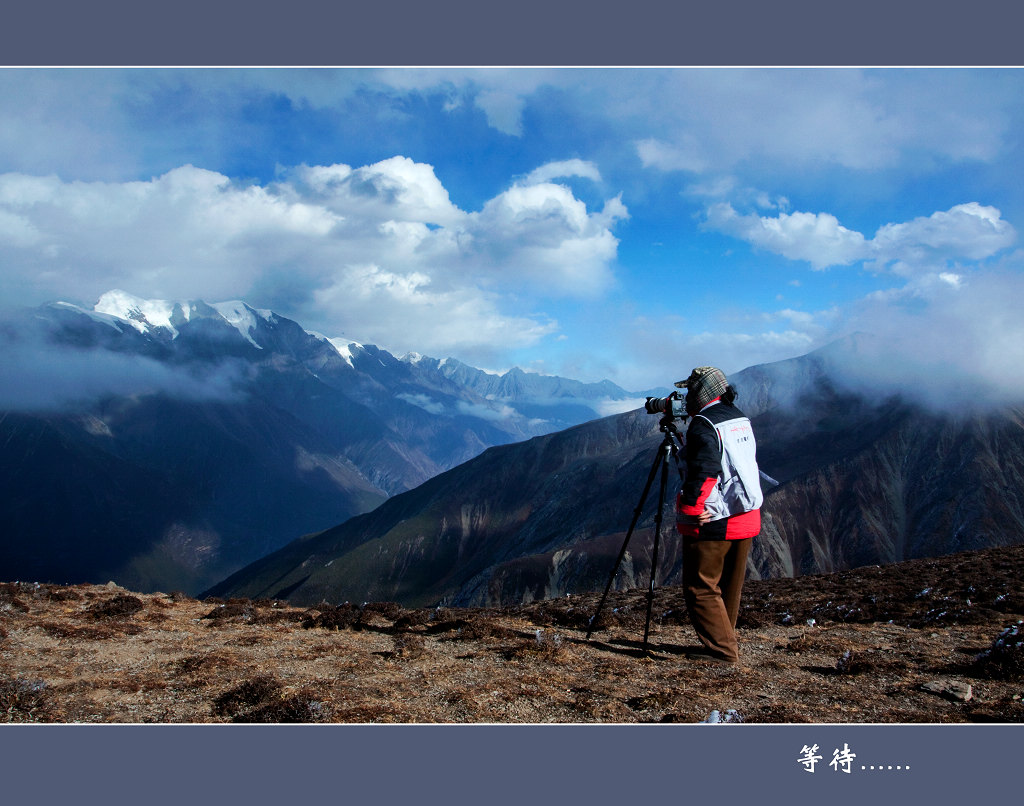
(950, 689)
(1004, 660)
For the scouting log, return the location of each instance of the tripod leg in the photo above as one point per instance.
(625, 543)
(657, 539)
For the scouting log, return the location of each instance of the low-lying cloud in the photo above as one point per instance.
(949, 346)
(49, 379)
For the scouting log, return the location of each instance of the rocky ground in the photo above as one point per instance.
(934, 641)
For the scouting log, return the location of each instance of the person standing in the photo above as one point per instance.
(717, 510)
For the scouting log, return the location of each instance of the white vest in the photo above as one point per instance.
(739, 482)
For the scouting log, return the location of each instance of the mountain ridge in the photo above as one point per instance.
(291, 426)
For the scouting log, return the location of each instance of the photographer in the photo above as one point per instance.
(717, 510)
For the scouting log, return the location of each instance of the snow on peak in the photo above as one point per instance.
(147, 314)
(241, 317)
(142, 314)
(346, 349)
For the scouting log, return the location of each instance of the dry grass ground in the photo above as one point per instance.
(926, 641)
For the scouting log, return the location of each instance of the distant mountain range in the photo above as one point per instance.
(166, 444)
(862, 481)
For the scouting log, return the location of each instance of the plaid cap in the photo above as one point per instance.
(704, 385)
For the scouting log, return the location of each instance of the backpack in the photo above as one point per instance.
(739, 483)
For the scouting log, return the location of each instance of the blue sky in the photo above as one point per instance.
(595, 223)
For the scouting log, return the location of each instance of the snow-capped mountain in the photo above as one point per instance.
(164, 444)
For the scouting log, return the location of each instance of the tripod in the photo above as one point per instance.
(668, 448)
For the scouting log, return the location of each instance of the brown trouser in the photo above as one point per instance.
(713, 572)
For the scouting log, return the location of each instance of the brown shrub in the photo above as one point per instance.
(408, 645)
(98, 632)
(250, 694)
(260, 700)
(202, 668)
(9, 598)
(471, 628)
(389, 610)
(119, 606)
(300, 708)
(412, 618)
(59, 593)
(345, 616)
(543, 647)
(235, 610)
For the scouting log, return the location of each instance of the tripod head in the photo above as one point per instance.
(668, 422)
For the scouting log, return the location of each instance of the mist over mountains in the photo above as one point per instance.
(166, 444)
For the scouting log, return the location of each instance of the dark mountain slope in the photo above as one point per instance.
(422, 546)
(863, 482)
(165, 445)
(164, 493)
(926, 486)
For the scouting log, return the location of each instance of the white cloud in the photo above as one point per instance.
(393, 189)
(971, 231)
(967, 231)
(542, 234)
(399, 311)
(818, 238)
(563, 169)
(16, 230)
(379, 250)
(948, 344)
(496, 412)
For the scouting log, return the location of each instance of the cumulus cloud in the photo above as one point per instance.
(969, 231)
(379, 251)
(818, 238)
(965, 232)
(393, 189)
(542, 234)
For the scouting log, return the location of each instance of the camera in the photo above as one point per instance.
(673, 406)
